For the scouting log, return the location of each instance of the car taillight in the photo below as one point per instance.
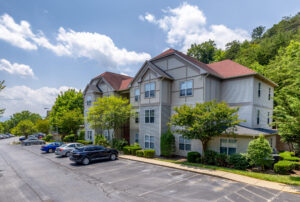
(60, 149)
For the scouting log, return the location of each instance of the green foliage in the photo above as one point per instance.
(81, 135)
(232, 49)
(140, 153)
(289, 156)
(42, 126)
(101, 140)
(84, 142)
(118, 143)
(126, 150)
(194, 157)
(2, 86)
(167, 144)
(209, 157)
(25, 127)
(109, 113)
(48, 138)
(221, 160)
(258, 32)
(65, 102)
(1, 127)
(259, 152)
(149, 153)
(70, 138)
(203, 52)
(204, 121)
(134, 149)
(284, 167)
(238, 161)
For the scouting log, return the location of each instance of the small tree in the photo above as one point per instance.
(70, 122)
(25, 128)
(43, 126)
(109, 113)
(167, 144)
(2, 86)
(259, 152)
(204, 121)
(101, 140)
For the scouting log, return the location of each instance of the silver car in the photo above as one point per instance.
(65, 150)
(32, 140)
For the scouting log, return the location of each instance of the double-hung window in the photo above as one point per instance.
(88, 100)
(257, 117)
(149, 142)
(228, 146)
(149, 90)
(137, 117)
(149, 116)
(269, 96)
(268, 119)
(184, 144)
(136, 138)
(106, 135)
(259, 89)
(186, 88)
(89, 135)
(136, 95)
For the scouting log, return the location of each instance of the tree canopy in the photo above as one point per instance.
(2, 86)
(203, 52)
(204, 121)
(43, 126)
(25, 127)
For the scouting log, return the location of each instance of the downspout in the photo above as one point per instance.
(204, 87)
(160, 114)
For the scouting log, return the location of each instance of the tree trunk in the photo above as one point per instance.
(204, 145)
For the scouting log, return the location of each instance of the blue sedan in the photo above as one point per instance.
(51, 147)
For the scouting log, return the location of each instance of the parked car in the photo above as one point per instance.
(39, 135)
(65, 150)
(10, 135)
(32, 140)
(1, 136)
(22, 138)
(51, 147)
(5, 136)
(87, 154)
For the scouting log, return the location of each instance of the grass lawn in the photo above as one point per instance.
(286, 179)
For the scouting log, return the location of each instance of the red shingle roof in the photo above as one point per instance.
(117, 81)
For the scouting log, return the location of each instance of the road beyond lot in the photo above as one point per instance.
(26, 174)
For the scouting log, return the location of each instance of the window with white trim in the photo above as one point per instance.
(137, 119)
(88, 100)
(259, 89)
(150, 90)
(228, 146)
(136, 138)
(137, 94)
(184, 144)
(186, 88)
(269, 95)
(89, 135)
(149, 116)
(257, 117)
(149, 142)
(106, 135)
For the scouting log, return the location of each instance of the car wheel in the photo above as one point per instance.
(86, 161)
(113, 157)
(68, 154)
(50, 150)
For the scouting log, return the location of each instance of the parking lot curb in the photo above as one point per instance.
(221, 174)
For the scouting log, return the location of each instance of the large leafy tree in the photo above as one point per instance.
(66, 101)
(204, 120)
(16, 118)
(2, 86)
(257, 32)
(203, 52)
(109, 113)
(43, 126)
(70, 122)
(25, 127)
(232, 49)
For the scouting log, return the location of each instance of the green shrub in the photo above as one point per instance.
(167, 144)
(126, 150)
(193, 157)
(84, 142)
(221, 160)
(284, 167)
(118, 143)
(133, 149)
(238, 161)
(48, 138)
(259, 152)
(69, 138)
(101, 140)
(149, 153)
(81, 135)
(209, 157)
(140, 153)
(289, 156)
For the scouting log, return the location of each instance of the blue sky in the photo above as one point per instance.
(49, 46)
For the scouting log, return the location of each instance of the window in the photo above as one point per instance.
(88, 100)
(259, 89)
(269, 96)
(149, 142)
(137, 95)
(257, 118)
(186, 88)
(228, 146)
(137, 117)
(89, 135)
(149, 116)
(184, 144)
(136, 139)
(268, 120)
(106, 135)
(149, 90)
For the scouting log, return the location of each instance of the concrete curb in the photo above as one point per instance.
(221, 174)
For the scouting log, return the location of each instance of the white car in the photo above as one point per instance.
(65, 150)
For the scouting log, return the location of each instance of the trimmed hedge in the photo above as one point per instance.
(126, 150)
(210, 157)
(134, 149)
(69, 138)
(284, 167)
(149, 153)
(48, 138)
(238, 161)
(194, 157)
(289, 156)
(84, 142)
(140, 153)
(221, 160)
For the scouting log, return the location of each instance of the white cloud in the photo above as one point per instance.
(186, 24)
(15, 68)
(94, 46)
(19, 98)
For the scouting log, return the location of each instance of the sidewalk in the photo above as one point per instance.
(218, 173)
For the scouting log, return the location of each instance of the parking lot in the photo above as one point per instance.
(26, 174)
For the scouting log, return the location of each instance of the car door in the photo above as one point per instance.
(102, 152)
